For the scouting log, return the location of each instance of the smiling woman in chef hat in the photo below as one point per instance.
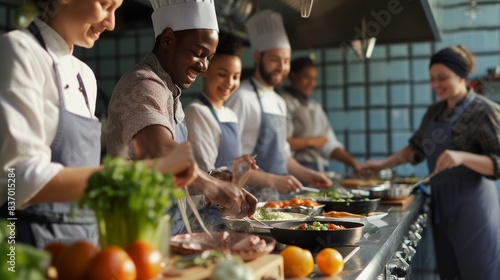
(262, 112)
(145, 113)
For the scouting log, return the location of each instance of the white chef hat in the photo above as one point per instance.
(266, 31)
(183, 15)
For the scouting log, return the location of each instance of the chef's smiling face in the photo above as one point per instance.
(274, 65)
(222, 77)
(83, 21)
(446, 83)
(304, 81)
(190, 54)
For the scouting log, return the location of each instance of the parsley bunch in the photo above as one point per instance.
(129, 200)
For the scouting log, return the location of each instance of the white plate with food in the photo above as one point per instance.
(370, 217)
(264, 216)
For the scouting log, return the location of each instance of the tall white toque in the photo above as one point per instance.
(183, 15)
(266, 31)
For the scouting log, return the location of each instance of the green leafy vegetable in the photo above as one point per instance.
(129, 200)
(20, 261)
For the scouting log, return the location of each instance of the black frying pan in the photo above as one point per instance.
(315, 240)
(357, 206)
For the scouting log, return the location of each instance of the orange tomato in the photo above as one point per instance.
(329, 261)
(55, 249)
(297, 261)
(296, 201)
(74, 260)
(308, 203)
(112, 263)
(146, 258)
(271, 204)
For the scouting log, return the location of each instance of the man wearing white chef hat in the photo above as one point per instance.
(261, 111)
(145, 113)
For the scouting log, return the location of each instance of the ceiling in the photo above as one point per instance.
(332, 23)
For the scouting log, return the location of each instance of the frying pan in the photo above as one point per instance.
(356, 206)
(315, 240)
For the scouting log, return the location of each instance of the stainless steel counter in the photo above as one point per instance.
(376, 250)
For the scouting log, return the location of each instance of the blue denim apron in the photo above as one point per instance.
(229, 148)
(76, 143)
(269, 148)
(178, 227)
(465, 211)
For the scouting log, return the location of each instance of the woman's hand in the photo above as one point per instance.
(181, 163)
(245, 158)
(449, 159)
(371, 167)
(286, 184)
(319, 180)
(232, 200)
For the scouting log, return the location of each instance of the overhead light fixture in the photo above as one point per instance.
(306, 8)
(472, 11)
(364, 46)
(302, 6)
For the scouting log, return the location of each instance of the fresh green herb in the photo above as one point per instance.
(20, 261)
(129, 200)
(266, 215)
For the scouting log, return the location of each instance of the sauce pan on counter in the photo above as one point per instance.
(391, 192)
(315, 240)
(358, 205)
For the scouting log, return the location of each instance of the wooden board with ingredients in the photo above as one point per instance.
(268, 266)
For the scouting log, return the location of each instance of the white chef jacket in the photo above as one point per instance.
(309, 120)
(245, 104)
(29, 106)
(204, 131)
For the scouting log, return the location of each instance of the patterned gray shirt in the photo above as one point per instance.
(144, 96)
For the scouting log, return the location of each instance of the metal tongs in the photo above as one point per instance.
(241, 173)
(425, 180)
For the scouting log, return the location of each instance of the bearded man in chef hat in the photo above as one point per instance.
(145, 113)
(262, 112)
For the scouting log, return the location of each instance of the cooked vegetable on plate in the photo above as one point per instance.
(319, 226)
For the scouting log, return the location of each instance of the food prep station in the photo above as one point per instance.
(385, 254)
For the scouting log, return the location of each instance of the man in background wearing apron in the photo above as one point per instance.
(310, 134)
(146, 118)
(262, 112)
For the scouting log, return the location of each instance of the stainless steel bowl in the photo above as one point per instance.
(391, 192)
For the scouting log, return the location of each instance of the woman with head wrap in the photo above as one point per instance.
(460, 138)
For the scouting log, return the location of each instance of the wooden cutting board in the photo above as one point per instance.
(400, 202)
(268, 266)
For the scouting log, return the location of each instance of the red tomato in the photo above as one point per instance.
(112, 263)
(55, 249)
(333, 227)
(146, 258)
(74, 260)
